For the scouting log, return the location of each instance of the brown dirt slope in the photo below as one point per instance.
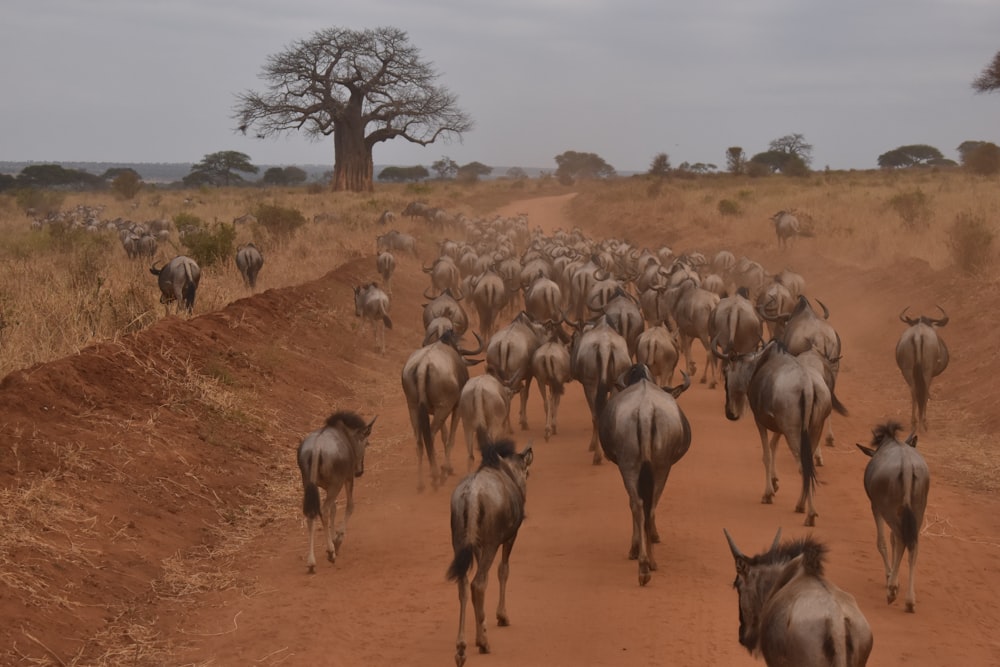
(151, 504)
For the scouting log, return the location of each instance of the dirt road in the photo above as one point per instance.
(574, 598)
(573, 595)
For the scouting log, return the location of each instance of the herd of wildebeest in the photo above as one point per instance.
(562, 308)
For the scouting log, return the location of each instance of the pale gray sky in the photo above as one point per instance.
(155, 81)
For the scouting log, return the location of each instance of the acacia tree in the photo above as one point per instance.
(363, 87)
(220, 169)
(989, 79)
(573, 165)
(660, 166)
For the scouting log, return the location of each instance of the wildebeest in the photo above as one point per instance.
(249, 260)
(598, 356)
(487, 509)
(484, 404)
(432, 379)
(644, 432)
(921, 356)
(658, 348)
(489, 295)
(734, 325)
(786, 399)
(787, 227)
(447, 305)
(396, 240)
(371, 304)
(897, 481)
(550, 367)
(444, 274)
(330, 458)
(387, 218)
(385, 263)
(794, 616)
(509, 353)
(692, 309)
(178, 281)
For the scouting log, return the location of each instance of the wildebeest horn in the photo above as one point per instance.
(944, 320)
(606, 274)
(592, 300)
(466, 353)
(677, 391)
(716, 347)
(372, 422)
(907, 320)
(826, 311)
(428, 296)
(427, 269)
(777, 540)
(737, 554)
(769, 318)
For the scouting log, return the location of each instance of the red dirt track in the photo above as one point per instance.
(573, 595)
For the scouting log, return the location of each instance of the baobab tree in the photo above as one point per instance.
(363, 87)
(989, 79)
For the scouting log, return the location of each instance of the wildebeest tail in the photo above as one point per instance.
(908, 528)
(837, 405)
(646, 489)
(805, 450)
(310, 495)
(920, 389)
(386, 321)
(461, 563)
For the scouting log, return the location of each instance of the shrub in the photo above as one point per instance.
(206, 245)
(913, 208)
(970, 242)
(279, 221)
(728, 207)
(42, 202)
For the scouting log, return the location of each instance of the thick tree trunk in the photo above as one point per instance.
(353, 165)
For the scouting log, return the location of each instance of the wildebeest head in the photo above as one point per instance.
(884, 433)
(356, 431)
(750, 586)
(923, 319)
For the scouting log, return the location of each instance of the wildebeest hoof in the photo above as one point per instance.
(633, 553)
(502, 620)
(644, 575)
(767, 499)
(811, 519)
(703, 381)
(331, 556)
(460, 654)
(711, 385)
(548, 434)
(829, 441)
(892, 593)
(911, 607)
(311, 569)
(597, 458)
(338, 540)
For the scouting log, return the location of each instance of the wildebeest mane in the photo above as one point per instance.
(886, 430)
(493, 451)
(349, 419)
(812, 551)
(635, 373)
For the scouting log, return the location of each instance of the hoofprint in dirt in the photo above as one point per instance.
(573, 594)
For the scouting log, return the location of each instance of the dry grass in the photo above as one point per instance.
(62, 292)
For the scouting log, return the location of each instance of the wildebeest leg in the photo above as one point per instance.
(503, 570)
(470, 442)
(710, 365)
(686, 346)
(654, 534)
(547, 406)
(415, 421)
(640, 542)
(524, 403)
(329, 517)
(556, 396)
(911, 592)
(338, 538)
(897, 558)
(770, 474)
(591, 394)
(880, 543)
(446, 469)
(479, 595)
(463, 597)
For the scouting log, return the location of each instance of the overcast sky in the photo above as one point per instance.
(155, 81)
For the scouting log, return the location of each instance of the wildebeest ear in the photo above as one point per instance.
(368, 428)
(527, 456)
(867, 451)
(912, 440)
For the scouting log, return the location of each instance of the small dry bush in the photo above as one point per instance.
(970, 242)
(727, 207)
(913, 208)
